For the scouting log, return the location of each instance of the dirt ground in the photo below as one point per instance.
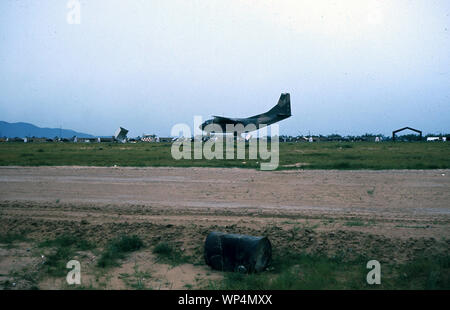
(388, 215)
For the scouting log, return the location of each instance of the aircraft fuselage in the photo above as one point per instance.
(278, 113)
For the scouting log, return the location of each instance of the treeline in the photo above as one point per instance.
(368, 137)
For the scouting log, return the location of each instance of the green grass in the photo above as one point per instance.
(169, 254)
(10, 238)
(414, 226)
(355, 223)
(425, 273)
(301, 271)
(68, 241)
(322, 155)
(55, 263)
(136, 280)
(65, 248)
(117, 248)
(296, 271)
(28, 274)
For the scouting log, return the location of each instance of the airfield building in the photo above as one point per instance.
(165, 139)
(148, 138)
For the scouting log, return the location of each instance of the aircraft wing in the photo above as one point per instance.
(224, 120)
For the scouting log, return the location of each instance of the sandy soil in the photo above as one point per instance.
(391, 215)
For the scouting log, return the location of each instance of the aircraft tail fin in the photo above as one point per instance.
(283, 107)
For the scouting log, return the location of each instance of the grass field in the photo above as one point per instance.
(324, 155)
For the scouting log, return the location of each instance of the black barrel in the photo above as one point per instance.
(232, 252)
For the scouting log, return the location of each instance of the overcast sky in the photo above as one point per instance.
(351, 66)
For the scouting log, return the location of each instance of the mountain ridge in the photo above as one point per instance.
(22, 130)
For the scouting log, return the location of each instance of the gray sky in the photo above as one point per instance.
(351, 66)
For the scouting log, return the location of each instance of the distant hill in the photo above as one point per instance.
(21, 130)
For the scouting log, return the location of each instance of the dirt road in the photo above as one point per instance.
(381, 193)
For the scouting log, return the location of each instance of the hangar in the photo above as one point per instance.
(406, 128)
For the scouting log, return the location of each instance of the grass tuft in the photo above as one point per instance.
(169, 254)
(117, 248)
(66, 241)
(66, 248)
(10, 238)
